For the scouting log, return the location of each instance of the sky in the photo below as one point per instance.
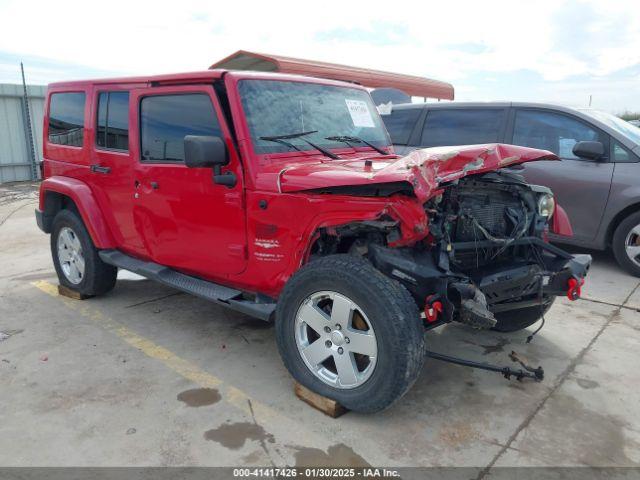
(544, 51)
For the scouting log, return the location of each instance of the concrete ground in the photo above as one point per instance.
(149, 376)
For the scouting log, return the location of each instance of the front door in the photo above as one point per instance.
(183, 219)
(581, 186)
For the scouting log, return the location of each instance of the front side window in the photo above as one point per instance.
(166, 119)
(275, 108)
(621, 154)
(551, 131)
(462, 127)
(113, 120)
(66, 119)
(400, 124)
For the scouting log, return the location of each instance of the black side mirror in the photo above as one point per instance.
(202, 151)
(590, 150)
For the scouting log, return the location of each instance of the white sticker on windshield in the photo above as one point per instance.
(360, 114)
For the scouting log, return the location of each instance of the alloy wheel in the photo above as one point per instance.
(70, 255)
(632, 245)
(336, 339)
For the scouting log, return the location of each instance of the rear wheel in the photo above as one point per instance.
(76, 259)
(349, 333)
(514, 320)
(626, 244)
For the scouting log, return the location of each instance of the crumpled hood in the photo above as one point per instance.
(424, 169)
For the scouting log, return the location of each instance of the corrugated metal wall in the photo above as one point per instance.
(15, 154)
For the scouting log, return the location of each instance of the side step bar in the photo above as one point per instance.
(220, 294)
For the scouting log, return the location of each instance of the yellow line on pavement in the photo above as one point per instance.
(188, 370)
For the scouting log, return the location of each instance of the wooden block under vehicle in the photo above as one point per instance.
(324, 404)
(67, 292)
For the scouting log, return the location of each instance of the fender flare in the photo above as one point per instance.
(84, 200)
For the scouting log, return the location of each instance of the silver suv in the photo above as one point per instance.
(597, 182)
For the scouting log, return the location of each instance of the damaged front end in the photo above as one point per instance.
(485, 253)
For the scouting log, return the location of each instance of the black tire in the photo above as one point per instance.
(514, 320)
(390, 309)
(98, 277)
(618, 243)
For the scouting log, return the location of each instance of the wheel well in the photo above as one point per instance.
(352, 238)
(53, 203)
(620, 216)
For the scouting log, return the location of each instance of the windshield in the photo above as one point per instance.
(621, 126)
(277, 108)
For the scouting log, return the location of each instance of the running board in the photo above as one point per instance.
(220, 294)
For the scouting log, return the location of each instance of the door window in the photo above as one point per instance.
(66, 119)
(400, 123)
(621, 154)
(551, 131)
(462, 127)
(166, 119)
(112, 130)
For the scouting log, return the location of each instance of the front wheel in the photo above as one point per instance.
(626, 244)
(349, 333)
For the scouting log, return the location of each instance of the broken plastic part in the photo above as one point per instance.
(473, 307)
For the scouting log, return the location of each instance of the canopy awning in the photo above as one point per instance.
(411, 85)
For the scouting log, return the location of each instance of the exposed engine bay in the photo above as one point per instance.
(485, 253)
(498, 208)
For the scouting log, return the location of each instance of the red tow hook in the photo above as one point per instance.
(575, 288)
(432, 309)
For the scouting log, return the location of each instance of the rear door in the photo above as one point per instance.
(112, 164)
(183, 219)
(581, 186)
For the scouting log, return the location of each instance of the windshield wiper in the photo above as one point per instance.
(282, 138)
(349, 139)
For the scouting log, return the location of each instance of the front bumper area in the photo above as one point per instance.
(519, 284)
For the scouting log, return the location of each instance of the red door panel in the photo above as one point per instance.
(183, 219)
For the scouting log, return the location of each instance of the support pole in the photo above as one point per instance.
(29, 131)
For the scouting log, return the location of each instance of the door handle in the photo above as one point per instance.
(154, 185)
(100, 169)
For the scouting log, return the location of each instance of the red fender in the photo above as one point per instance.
(82, 196)
(560, 224)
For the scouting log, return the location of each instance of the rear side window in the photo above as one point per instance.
(113, 121)
(551, 131)
(166, 119)
(66, 119)
(462, 127)
(400, 124)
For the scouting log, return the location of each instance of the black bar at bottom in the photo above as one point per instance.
(537, 374)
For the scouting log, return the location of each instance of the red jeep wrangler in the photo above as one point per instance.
(280, 196)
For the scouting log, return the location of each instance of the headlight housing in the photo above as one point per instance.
(546, 205)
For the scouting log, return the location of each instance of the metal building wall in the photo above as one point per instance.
(15, 154)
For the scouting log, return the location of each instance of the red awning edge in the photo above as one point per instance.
(410, 84)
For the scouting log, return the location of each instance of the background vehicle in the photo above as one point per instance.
(597, 182)
(279, 196)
